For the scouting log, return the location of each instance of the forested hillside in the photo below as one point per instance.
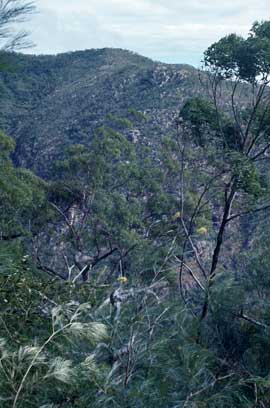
(61, 100)
(134, 229)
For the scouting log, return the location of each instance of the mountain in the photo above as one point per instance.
(51, 102)
(136, 277)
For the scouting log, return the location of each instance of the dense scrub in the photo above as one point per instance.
(138, 278)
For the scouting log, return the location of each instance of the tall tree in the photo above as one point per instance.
(231, 134)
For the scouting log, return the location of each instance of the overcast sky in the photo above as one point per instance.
(174, 31)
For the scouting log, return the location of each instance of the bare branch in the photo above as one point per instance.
(194, 249)
(13, 12)
(191, 273)
(251, 320)
(211, 385)
(232, 217)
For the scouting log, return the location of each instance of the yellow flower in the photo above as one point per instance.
(202, 230)
(122, 279)
(176, 216)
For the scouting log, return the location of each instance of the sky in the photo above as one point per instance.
(173, 31)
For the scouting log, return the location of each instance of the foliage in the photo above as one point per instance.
(22, 194)
(138, 277)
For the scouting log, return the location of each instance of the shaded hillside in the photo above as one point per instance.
(50, 102)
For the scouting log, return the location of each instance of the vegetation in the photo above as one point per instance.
(136, 275)
(49, 103)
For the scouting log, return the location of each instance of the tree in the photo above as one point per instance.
(115, 207)
(22, 195)
(230, 131)
(11, 13)
(94, 193)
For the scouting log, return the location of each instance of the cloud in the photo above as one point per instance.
(168, 30)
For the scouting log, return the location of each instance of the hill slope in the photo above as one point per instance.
(50, 102)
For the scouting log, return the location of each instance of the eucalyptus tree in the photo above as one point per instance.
(230, 134)
(12, 13)
(96, 193)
